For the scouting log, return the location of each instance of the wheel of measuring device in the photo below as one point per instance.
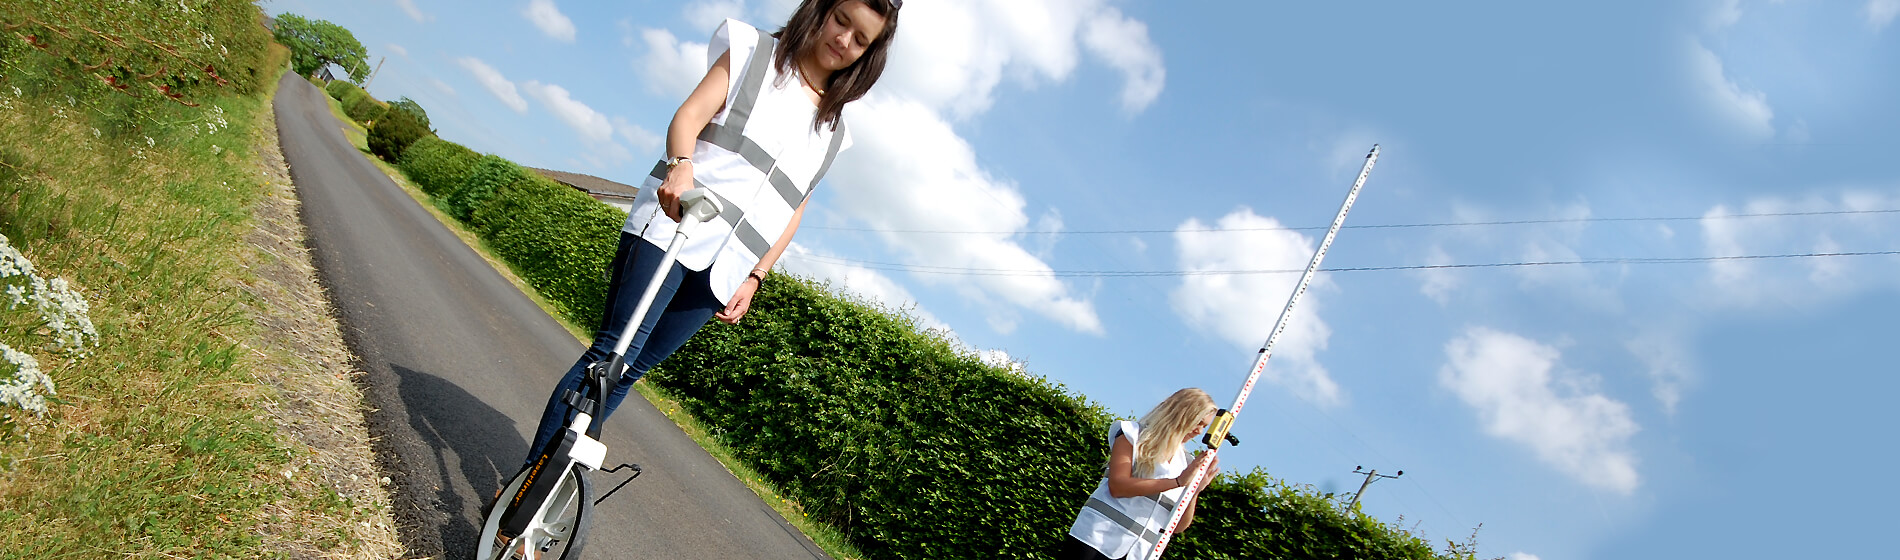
(557, 532)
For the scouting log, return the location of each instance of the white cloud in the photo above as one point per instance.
(671, 67)
(592, 125)
(441, 85)
(862, 282)
(641, 138)
(777, 10)
(1241, 308)
(493, 81)
(950, 56)
(550, 20)
(1522, 395)
(1725, 14)
(1123, 43)
(409, 7)
(1748, 282)
(1667, 361)
(397, 50)
(1437, 283)
(1746, 111)
(705, 15)
(1881, 12)
(910, 171)
(1524, 556)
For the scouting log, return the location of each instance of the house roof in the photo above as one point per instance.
(590, 184)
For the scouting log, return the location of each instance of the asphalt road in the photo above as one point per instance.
(460, 363)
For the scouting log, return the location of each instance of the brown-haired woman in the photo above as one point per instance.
(1148, 471)
(759, 131)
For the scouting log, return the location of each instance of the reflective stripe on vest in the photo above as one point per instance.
(731, 137)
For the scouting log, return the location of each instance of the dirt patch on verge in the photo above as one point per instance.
(339, 507)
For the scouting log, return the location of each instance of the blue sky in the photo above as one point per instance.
(1728, 408)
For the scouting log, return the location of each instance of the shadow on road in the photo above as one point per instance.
(478, 447)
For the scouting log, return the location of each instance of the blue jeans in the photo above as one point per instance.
(683, 305)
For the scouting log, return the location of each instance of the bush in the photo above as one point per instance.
(489, 176)
(558, 239)
(393, 133)
(341, 90)
(437, 166)
(364, 108)
(414, 109)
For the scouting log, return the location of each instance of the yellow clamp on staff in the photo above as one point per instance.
(1217, 430)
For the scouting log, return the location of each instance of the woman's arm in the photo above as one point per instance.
(683, 133)
(742, 300)
(1121, 478)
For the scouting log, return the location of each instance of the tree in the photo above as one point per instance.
(319, 43)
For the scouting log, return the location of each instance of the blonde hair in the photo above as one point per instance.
(1163, 428)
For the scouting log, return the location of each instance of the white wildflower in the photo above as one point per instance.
(23, 387)
(215, 150)
(149, 142)
(95, 133)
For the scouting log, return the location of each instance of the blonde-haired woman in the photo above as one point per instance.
(1148, 472)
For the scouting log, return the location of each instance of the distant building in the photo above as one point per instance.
(615, 194)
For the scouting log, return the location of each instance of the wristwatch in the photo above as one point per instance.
(674, 161)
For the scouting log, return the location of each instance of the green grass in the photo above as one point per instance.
(158, 445)
(832, 541)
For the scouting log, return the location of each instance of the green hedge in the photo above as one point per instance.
(340, 89)
(489, 175)
(437, 166)
(1253, 516)
(558, 239)
(366, 109)
(912, 447)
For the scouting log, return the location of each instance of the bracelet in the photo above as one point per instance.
(757, 273)
(675, 161)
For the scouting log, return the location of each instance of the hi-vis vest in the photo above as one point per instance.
(758, 155)
(1128, 527)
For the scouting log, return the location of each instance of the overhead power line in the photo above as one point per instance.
(1375, 226)
(961, 271)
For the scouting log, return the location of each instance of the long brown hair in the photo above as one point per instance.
(1164, 427)
(846, 85)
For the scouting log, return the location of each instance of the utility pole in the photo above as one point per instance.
(1370, 476)
(372, 73)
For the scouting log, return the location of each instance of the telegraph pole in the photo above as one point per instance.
(372, 73)
(1370, 476)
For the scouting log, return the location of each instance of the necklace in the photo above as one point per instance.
(804, 77)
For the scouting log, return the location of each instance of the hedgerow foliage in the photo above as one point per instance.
(490, 175)
(913, 447)
(129, 65)
(557, 238)
(1254, 516)
(437, 166)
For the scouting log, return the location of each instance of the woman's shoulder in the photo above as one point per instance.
(1124, 428)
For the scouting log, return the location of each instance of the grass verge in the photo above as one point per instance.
(165, 440)
(832, 541)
